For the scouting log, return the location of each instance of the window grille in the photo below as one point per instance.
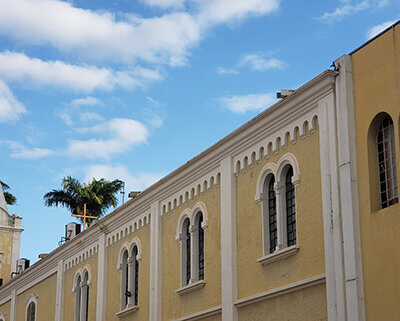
(201, 248)
(125, 289)
(387, 164)
(87, 303)
(31, 312)
(273, 231)
(187, 253)
(78, 299)
(290, 209)
(135, 251)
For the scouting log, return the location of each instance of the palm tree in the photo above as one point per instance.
(10, 198)
(98, 195)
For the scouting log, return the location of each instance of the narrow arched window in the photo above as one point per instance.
(290, 208)
(200, 237)
(186, 253)
(77, 290)
(31, 312)
(135, 263)
(85, 297)
(124, 280)
(387, 163)
(272, 222)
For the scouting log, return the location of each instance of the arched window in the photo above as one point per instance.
(387, 163)
(198, 246)
(290, 208)
(186, 247)
(31, 312)
(382, 162)
(85, 297)
(77, 290)
(201, 248)
(270, 232)
(135, 275)
(125, 294)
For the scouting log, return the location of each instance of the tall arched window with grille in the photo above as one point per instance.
(185, 252)
(135, 275)
(124, 266)
(85, 297)
(198, 255)
(31, 312)
(77, 290)
(290, 208)
(387, 163)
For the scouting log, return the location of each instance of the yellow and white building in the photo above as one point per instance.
(293, 216)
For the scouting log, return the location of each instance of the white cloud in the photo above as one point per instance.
(101, 35)
(132, 182)
(10, 108)
(225, 71)
(164, 4)
(348, 8)
(19, 67)
(372, 32)
(18, 150)
(90, 116)
(87, 101)
(258, 62)
(121, 134)
(245, 103)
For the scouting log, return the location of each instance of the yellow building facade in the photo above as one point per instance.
(293, 216)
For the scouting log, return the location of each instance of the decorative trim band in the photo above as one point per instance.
(289, 288)
(202, 314)
(81, 256)
(191, 287)
(279, 255)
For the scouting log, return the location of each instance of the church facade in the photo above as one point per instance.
(293, 216)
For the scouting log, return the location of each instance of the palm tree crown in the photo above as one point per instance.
(10, 198)
(98, 195)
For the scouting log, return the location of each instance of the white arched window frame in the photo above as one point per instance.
(31, 308)
(278, 171)
(81, 289)
(128, 264)
(191, 238)
(2, 317)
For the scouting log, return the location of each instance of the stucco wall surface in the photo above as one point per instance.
(305, 305)
(6, 239)
(376, 70)
(174, 305)
(69, 295)
(45, 291)
(5, 309)
(253, 277)
(114, 277)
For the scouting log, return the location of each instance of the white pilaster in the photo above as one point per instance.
(330, 211)
(60, 291)
(155, 262)
(349, 190)
(16, 246)
(13, 307)
(101, 279)
(228, 240)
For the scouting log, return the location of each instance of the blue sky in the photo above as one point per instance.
(133, 89)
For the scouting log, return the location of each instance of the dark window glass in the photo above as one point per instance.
(187, 254)
(387, 164)
(201, 248)
(136, 276)
(290, 209)
(273, 234)
(31, 312)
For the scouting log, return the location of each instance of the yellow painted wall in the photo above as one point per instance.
(45, 291)
(305, 305)
(253, 277)
(5, 309)
(376, 70)
(175, 305)
(69, 296)
(114, 278)
(6, 238)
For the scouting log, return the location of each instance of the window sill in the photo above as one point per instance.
(278, 255)
(127, 311)
(191, 287)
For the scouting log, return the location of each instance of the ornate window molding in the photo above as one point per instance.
(31, 308)
(128, 264)
(81, 286)
(275, 190)
(190, 234)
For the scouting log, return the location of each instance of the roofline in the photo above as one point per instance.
(373, 38)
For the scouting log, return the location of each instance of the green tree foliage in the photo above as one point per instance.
(98, 195)
(10, 198)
